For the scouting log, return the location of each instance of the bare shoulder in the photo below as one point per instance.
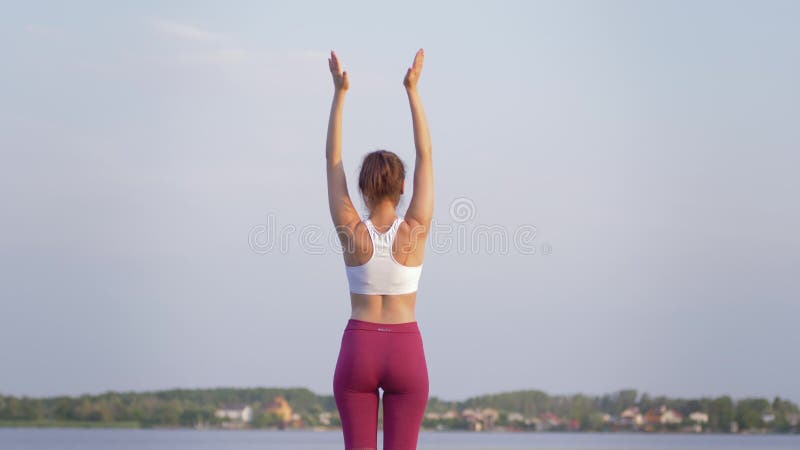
(356, 242)
(410, 226)
(409, 248)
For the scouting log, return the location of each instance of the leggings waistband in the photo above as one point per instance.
(404, 327)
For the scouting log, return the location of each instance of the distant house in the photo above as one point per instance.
(450, 414)
(433, 416)
(238, 412)
(325, 417)
(515, 417)
(574, 425)
(281, 408)
(670, 416)
(481, 419)
(698, 419)
(490, 416)
(535, 421)
(474, 418)
(631, 417)
(549, 420)
(653, 416)
(297, 421)
(663, 416)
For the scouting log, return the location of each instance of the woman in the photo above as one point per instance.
(381, 346)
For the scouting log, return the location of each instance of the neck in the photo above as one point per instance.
(383, 213)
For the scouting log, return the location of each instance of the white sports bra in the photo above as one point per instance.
(382, 274)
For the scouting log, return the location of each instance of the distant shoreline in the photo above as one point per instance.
(297, 408)
(66, 424)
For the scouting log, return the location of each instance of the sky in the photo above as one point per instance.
(164, 218)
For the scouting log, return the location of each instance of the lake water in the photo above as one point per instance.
(121, 439)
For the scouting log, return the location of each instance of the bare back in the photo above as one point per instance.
(409, 250)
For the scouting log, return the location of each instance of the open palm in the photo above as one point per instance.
(414, 72)
(340, 80)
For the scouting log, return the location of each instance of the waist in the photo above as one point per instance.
(403, 327)
(383, 308)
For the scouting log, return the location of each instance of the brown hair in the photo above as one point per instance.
(381, 177)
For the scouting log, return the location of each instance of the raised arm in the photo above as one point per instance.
(420, 208)
(343, 212)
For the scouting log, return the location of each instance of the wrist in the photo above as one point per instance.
(412, 90)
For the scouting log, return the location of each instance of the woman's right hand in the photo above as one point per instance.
(414, 72)
(340, 80)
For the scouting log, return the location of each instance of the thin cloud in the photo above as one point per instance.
(308, 54)
(185, 31)
(39, 29)
(221, 57)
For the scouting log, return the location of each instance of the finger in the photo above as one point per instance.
(418, 59)
(336, 62)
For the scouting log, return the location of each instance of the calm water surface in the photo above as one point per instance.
(116, 439)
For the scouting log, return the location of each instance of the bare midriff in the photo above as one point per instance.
(383, 308)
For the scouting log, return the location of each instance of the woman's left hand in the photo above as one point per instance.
(415, 71)
(340, 80)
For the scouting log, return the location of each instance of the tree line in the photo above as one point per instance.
(188, 407)
(777, 415)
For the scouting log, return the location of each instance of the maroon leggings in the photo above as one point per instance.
(387, 356)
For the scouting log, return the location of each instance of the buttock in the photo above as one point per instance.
(389, 356)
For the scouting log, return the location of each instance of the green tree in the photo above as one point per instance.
(267, 420)
(625, 399)
(749, 413)
(721, 414)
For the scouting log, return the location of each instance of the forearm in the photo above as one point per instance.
(422, 138)
(333, 148)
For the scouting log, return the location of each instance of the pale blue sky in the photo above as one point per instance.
(653, 145)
